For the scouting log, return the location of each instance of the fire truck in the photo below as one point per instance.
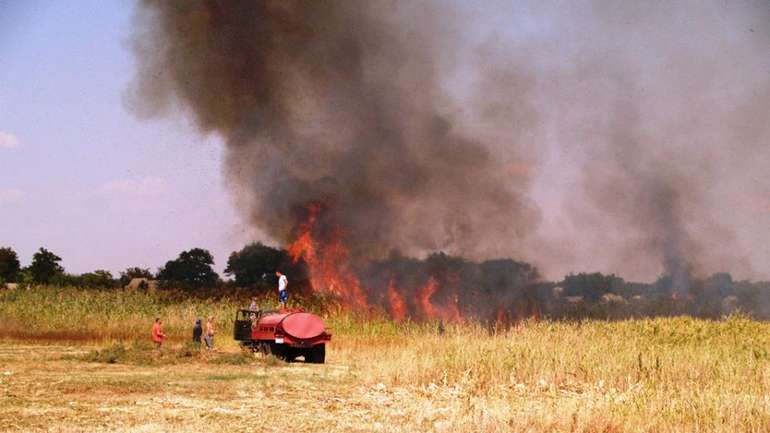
(286, 334)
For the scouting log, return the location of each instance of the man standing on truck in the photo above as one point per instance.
(283, 295)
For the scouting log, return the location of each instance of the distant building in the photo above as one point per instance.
(574, 299)
(142, 284)
(611, 298)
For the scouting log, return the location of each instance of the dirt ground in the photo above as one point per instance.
(651, 376)
(45, 390)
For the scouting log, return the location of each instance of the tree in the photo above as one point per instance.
(254, 264)
(9, 265)
(592, 286)
(45, 266)
(719, 284)
(135, 272)
(191, 269)
(98, 279)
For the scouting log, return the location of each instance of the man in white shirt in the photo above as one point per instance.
(283, 294)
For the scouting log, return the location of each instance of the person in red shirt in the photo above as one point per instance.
(157, 333)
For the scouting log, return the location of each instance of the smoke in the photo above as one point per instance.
(341, 103)
(646, 194)
(494, 290)
(660, 115)
(619, 136)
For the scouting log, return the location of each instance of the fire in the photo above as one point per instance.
(396, 302)
(303, 247)
(423, 298)
(448, 313)
(327, 259)
(500, 317)
(327, 262)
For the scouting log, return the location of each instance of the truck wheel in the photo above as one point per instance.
(277, 350)
(264, 348)
(290, 354)
(248, 346)
(316, 354)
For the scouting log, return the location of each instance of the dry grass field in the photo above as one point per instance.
(656, 375)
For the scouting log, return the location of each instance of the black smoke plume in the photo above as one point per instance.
(625, 136)
(342, 103)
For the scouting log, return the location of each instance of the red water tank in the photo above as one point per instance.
(302, 326)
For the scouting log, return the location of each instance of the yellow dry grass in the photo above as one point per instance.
(656, 375)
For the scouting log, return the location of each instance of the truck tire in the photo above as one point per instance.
(249, 346)
(290, 354)
(264, 348)
(316, 354)
(277, 350)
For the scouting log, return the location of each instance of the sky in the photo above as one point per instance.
(79, 174)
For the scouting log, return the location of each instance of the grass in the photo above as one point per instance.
(648, 375)
(56, 314)
(79, 315)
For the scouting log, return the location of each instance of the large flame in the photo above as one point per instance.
(330, 272)
(396, 302)
(448, 313)
(327, 262)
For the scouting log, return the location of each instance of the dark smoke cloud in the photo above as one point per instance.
(338, 102)
(626, 137)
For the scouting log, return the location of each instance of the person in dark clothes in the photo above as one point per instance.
(197, 334)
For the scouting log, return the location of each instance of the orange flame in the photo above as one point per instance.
(396, 302)
(448, 313)
(303, 247)
(330, 272)
(327, 263)
(500, 319)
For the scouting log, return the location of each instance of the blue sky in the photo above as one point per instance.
(79, 174)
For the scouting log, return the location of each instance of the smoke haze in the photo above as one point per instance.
(619, 137)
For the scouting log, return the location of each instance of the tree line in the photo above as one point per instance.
(253, 266)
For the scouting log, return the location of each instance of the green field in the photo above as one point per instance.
(75, 360)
